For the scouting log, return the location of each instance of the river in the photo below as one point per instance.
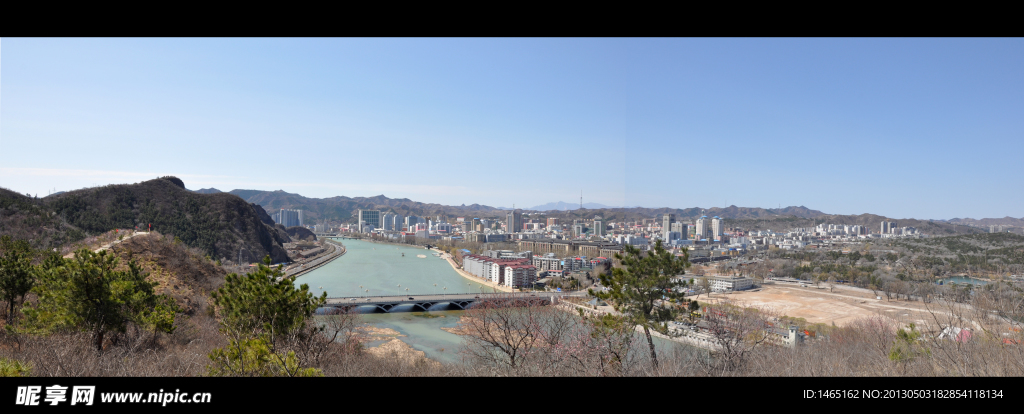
(369, 269)
(380, 269)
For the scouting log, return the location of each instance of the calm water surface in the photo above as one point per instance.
(960, 280)
(371, 269)
(380, 268)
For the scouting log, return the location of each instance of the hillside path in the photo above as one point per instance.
(111, 244)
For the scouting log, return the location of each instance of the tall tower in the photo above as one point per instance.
(514, 221)
(666, 225)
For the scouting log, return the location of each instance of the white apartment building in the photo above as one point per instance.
(632, 240)
(702, 228)
(730, 283)
(548, 262)
(717, 228)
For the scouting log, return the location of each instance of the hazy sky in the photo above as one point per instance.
(906, 128)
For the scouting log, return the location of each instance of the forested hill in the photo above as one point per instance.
(220, 224)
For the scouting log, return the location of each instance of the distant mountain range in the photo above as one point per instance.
(561, 205)
(985, 222)
(343, 208)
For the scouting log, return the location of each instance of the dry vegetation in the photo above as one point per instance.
(976, 335)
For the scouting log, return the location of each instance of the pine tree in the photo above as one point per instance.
(16, 272)
(264, 302)
(642, 289)
(90, 292)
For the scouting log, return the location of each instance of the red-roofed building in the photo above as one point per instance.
(490, 268)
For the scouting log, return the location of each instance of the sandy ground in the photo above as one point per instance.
(394, 347)
(820, 306)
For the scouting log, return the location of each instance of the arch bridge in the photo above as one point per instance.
(454, 301)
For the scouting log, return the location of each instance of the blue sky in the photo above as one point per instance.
(906, 128)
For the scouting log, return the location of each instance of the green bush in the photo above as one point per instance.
(14, 368)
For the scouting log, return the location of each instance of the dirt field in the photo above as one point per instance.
(820, 306)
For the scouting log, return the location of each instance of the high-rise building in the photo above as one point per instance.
(552, 221)
(717, 228)
(289, 218)
(514, 221)
(702, 228)
(369, 217)
(411, 221)
(666, 225)
(387, 222)
(888, 227)
(598, 226)
(679, 227)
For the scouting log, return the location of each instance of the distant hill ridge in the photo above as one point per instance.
(343, 208)
(1005, 221)
(561, 205)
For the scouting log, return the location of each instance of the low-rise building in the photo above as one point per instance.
(548, 262)
(730, 283)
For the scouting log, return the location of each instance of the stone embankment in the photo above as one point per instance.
(334, 249)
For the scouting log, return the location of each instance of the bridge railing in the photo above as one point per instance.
(440, 295)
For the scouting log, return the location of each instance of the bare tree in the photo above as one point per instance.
(502, 332)
(705, 285)
(326, 339)
(736, 332)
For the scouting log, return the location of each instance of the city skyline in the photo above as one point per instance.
(924, 128)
